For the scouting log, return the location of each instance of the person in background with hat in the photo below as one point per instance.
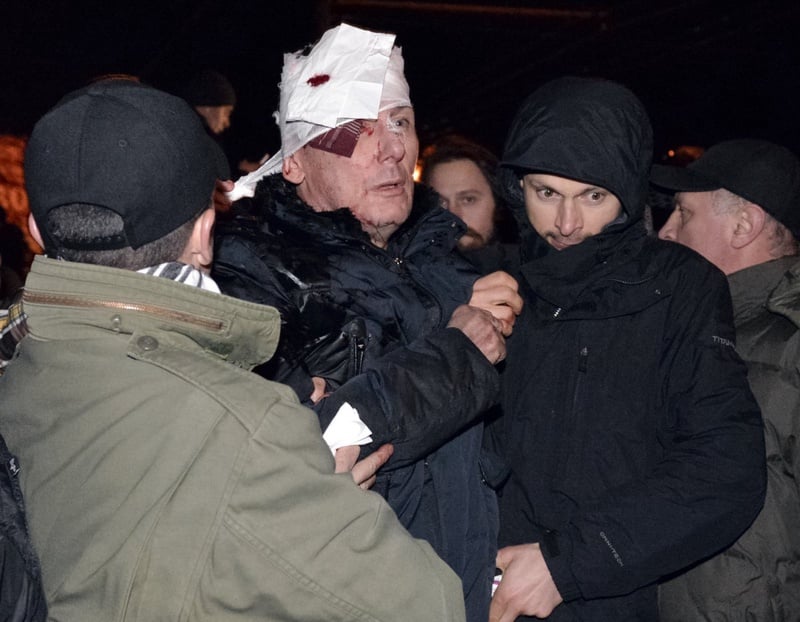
(213, 97)
(634, 443)
(738, 205)
(385, 325)
(163, 480)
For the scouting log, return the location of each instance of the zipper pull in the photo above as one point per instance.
(357, 336)
(583, 359)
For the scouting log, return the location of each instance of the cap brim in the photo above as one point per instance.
(680, 179)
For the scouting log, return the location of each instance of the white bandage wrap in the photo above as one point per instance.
(349, 74)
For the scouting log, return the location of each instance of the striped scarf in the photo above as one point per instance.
(182, 273)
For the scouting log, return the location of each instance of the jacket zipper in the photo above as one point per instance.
(88, 303)
(357, 337)
(402, 272)
(583, 359)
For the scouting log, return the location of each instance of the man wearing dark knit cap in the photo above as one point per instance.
(738, 205)
(213, 97)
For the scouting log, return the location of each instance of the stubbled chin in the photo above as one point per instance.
(384, 211)
(470, 241)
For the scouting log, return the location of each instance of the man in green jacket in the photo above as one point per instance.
(163, 480)
(739, 206)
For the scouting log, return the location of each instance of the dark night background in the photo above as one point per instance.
(706, 70)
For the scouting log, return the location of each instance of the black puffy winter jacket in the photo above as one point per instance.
(372, 322)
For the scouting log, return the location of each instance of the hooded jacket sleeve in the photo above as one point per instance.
(707, 483)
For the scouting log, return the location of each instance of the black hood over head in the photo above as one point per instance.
(586, 129)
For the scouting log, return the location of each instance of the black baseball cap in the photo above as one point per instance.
(759, 171)
(126, 147)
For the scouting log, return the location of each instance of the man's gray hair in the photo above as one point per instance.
(726, 202)
(782, 242)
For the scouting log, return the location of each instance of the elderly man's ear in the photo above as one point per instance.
(749, 224)
(293, 170)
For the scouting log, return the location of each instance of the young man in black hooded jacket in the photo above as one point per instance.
(634, 443)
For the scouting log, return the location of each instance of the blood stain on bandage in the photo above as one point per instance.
(318, 79)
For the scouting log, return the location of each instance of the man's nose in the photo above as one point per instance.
(391, 142)
(569, 219)
(667, 232)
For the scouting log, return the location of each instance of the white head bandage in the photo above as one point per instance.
(349, 74)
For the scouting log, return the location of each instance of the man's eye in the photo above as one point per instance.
(594, 196)
(402, 123)
(546, 193)
(468, 200)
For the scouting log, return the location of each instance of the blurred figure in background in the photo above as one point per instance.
(213, 97)
(464, 173)
(13, 197)
(13, 266)
(13, 260)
